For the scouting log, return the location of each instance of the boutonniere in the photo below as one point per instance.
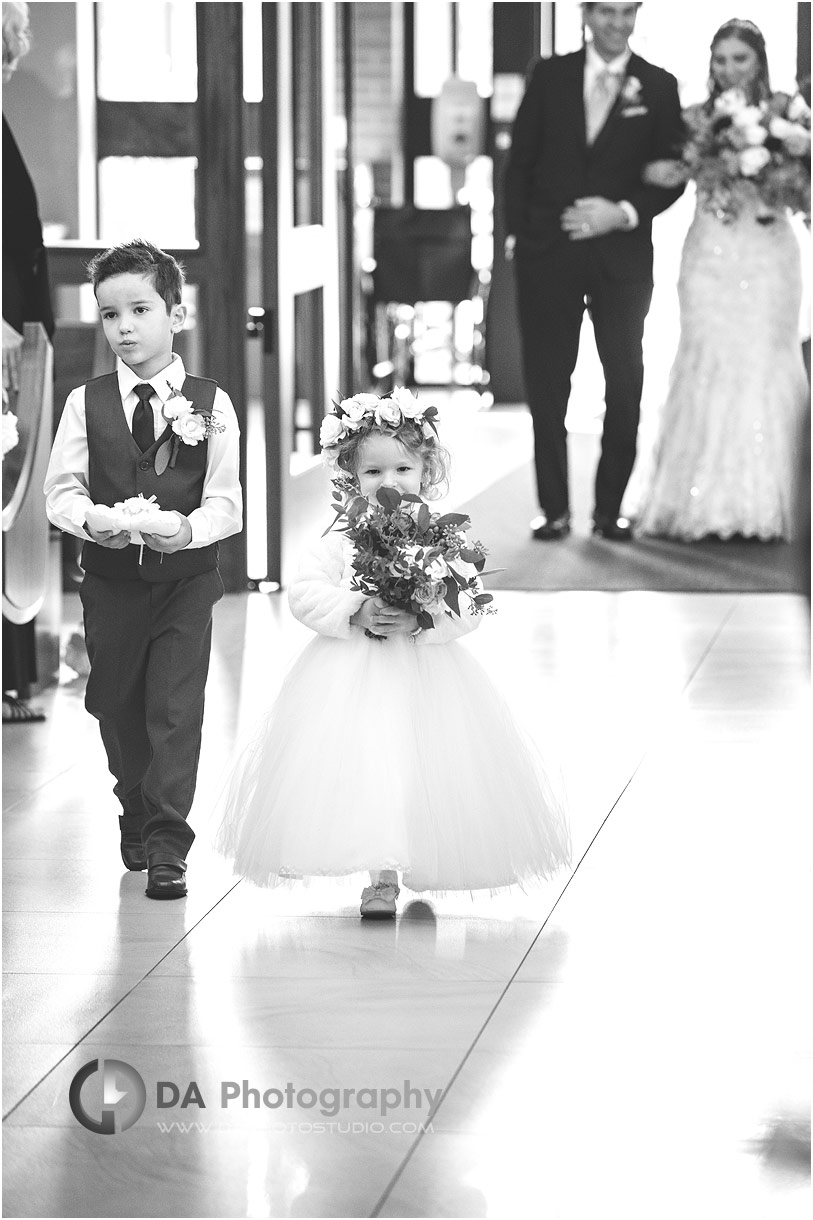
(631, 91)
(190, 425)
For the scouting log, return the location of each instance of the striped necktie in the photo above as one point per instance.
(600, 102)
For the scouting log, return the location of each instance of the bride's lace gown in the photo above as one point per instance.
(730, 428)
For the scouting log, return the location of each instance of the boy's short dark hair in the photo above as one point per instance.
(140, 257)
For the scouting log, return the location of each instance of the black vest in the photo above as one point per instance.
(117, 469)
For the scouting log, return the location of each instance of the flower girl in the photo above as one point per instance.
(388, 749)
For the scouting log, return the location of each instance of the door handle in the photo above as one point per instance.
(259, 326)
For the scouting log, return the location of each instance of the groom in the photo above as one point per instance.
(580, 220)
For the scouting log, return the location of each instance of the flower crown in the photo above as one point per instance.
(363, 412)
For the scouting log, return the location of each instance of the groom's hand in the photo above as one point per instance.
(665, 174)
(593, 217)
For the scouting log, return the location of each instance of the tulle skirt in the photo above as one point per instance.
(392, 755)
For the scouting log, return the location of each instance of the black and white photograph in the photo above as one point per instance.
(406, 645)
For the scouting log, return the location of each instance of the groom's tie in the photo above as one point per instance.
(143, 422)
(600, 102)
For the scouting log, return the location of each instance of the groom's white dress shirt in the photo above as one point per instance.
(594, 67)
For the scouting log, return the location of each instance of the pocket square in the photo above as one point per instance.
(632, 111)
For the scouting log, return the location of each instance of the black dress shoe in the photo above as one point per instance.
(133, 852)
(545, 530)
(165, 876)
(614, 529)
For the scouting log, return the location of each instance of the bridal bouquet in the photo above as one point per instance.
(413, 559)
(762, 147)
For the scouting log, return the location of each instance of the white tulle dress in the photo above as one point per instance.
(727, 452)
(396, 754)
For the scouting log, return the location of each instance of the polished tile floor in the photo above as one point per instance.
(632, 1039)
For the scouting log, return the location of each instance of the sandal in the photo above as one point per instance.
(18, 711)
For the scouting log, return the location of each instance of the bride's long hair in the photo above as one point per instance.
(752, 36)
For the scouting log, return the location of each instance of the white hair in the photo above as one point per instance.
(16, 35)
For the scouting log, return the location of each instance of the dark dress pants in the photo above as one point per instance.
(149, 646)
(552, 292)
(19, 657)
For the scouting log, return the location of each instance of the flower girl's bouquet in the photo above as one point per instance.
(413, 559)
(736, 148)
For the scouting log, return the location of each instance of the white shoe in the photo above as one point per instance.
(378, 901)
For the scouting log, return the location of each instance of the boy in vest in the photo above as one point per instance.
(148, 429)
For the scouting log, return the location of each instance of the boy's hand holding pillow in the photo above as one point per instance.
(134, 516)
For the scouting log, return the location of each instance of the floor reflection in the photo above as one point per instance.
(630, 1038)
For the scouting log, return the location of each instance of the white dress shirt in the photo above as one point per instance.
(67, 498)
(594, 65)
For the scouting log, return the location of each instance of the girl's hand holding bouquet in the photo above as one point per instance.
(381, 620)
(414, 564)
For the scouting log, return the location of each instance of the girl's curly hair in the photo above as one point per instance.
(436, 459)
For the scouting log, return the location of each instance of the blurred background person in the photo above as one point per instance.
(579, 215)
(26, 298)
(738, 390)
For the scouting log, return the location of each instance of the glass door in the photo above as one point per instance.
(152, 116)
(300, 376)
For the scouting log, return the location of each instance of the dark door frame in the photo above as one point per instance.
(212, 130)
(300, 274)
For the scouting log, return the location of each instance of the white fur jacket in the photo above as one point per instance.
(320, 596)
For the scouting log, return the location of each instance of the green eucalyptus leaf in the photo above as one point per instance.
(388, 498)
(452, 598)
(162, 457)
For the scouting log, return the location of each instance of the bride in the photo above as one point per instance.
(731, 425)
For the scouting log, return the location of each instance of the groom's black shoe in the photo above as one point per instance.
(133, 852)
(545, 530)
(615, 529)
(165, 876)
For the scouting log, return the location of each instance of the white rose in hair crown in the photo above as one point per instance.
(368, 410)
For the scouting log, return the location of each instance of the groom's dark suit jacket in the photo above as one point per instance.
(551, 164)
